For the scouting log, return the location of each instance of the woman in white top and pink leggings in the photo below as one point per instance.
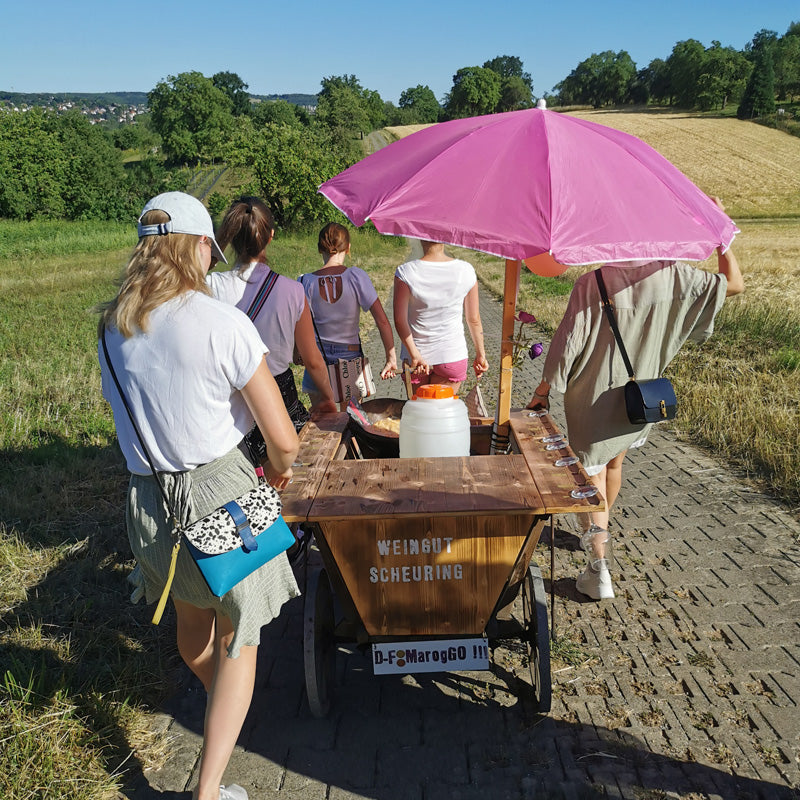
(430, 295)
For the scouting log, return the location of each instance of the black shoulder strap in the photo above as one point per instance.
(612, 319)
(136, 429)
(316, 332)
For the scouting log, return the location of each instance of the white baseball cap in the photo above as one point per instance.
(186, 215)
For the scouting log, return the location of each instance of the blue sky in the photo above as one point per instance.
(283, 47)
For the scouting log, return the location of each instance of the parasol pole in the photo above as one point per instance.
(503, 412)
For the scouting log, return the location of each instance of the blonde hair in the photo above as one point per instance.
(160, 269)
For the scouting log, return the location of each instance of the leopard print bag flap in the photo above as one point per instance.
(236, 524)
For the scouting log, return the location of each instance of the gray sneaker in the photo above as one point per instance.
(596, 583)
(232, 792)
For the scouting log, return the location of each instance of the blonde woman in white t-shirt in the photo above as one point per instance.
(194, 376)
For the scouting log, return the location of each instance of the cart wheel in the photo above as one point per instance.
(534, 611)
(319, 643)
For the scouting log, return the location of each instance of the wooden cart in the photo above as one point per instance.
(424, 556)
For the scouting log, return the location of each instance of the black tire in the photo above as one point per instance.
(537, 637)
(319, 642)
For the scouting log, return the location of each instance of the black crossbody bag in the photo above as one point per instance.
(645, 401)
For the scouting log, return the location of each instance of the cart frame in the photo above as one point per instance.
(491, 509)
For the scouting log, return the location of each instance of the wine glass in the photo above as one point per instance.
(567, 461)
(588, 490)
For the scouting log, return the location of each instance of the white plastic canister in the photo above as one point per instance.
(434, 423)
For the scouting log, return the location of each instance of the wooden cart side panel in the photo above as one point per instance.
(554, 483)
(320, 443)
(426, 576)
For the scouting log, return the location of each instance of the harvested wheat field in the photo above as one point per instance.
(755, 170)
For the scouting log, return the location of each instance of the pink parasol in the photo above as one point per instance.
(535, 186)
(529, 182)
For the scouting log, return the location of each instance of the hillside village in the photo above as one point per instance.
(117, 108)
(110, 108)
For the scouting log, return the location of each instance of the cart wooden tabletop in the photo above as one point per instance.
(328, 487)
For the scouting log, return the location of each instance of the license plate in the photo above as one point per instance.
(442, 655)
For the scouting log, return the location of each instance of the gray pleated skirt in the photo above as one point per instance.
(253, 602)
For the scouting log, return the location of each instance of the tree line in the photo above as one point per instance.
(61, 166)
(693, 76)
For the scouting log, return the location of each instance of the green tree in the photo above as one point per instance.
(345, 105)
(395, 115)
(343, 110)
(514, 94)
(236, 89)
(94, 178)
(341, 82)
(655, 76)
(278, 111)
(639, 89)
(516, 85)
(723, 76)
(33, 166)
(288, 164)
(475, 91)
(376, 111)
(685, 65)
(758, 99)
(192, 117)
(420, 104)
(138, 135)
(510, 67)
(148, 177)
(61, 166)
(601, 79)
(787, 63)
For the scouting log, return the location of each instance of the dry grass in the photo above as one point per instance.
(396, 132)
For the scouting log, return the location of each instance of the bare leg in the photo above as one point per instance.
(613, 481)
(608, 481)
(228, 702)
(196, 640)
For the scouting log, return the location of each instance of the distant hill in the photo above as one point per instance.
(86, 98)
(122, 98)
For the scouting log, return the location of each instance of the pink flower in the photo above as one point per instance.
(525, 318)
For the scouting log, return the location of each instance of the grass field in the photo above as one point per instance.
(81, 669)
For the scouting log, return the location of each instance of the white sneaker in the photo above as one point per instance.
(596, 583)
(232, 792)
